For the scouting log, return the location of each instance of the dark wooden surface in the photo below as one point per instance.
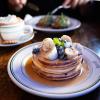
(88, 35)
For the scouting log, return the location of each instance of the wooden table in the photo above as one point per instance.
(88, 35)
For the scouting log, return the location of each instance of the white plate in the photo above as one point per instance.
(23, 39)
(74, 25)
(19, 76)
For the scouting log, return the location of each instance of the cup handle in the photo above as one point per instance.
(1, 38)
(28, 29)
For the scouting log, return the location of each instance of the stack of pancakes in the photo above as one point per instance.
(57, 69)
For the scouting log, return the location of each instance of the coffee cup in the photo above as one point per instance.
(14, 31)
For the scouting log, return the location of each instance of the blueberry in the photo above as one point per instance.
(60, 51)
(36, 50)
(61, 56)
(65, 57)
(57, 46)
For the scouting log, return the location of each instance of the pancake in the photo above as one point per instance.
(71, 74)
(55, 69)
(58, 69)
(61, 68)
(57, 61)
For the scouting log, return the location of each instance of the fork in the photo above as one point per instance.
(60, 7)
(66, 7)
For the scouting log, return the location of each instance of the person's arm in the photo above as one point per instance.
(74, 3)
(17, 5)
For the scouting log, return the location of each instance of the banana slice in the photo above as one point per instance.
(66, 38)
(47, 45)
(49, 49)
(67, 41)
(71, 52)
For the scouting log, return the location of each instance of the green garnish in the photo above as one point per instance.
(62, 43)
(63, 20)
(58, 42)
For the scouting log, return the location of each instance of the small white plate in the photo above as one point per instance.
(23, 39)
(74, 25)
(18, 74)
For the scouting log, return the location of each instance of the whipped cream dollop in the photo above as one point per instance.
(9, 19)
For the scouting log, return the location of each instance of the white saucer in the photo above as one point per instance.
(18, 74)
(23, 39)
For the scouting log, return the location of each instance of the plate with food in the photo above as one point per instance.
(13, 31)
(55, 68)
(55, 23)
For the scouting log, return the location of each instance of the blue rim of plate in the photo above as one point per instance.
(45, 94)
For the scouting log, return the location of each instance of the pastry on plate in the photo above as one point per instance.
(61, 21)
(45, 21)
(56, 22)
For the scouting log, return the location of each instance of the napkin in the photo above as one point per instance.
(28, 19)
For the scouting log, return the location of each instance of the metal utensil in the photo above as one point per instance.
(60, 7)
(66, 7)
